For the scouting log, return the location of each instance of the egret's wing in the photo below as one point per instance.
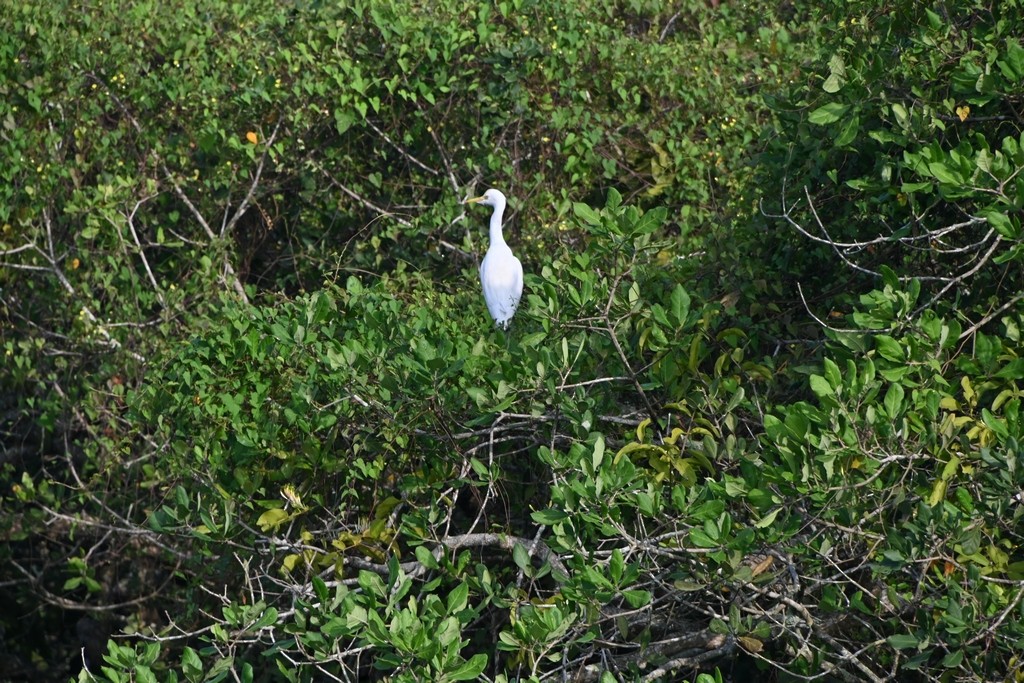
(501, 276)
(517, 285)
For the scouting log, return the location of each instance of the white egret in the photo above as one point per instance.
(501, 274)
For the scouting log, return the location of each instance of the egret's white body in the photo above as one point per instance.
(501, 274)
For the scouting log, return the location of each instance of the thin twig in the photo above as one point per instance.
(988, 318)
(362, 200)
(244, 206)
(235, 281)
(401, 150)
(142, 252)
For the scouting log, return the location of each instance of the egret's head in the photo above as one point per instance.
(490, 198)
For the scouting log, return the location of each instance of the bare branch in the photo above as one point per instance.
(365, 202)
(401, 150)
(988, 318)
(229, 269)
(244, 206)
(130, 220)
(961, 277)
(720, 647)
(18, 250)
(844, 249)
(441, 151)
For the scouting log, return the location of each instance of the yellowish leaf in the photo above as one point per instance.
(289, 494)
(289, 562)
(969, 394)
(271, 519)
(674, 436)
(763, 565)
(252, 137)
(963, 112)
(750, 644)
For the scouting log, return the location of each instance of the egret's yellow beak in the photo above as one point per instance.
(474, 200)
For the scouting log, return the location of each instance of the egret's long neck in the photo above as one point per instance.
(496, 236)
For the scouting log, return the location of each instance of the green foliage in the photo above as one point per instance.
(255, 412)
(304, 424)
(904, 142)
(907, 458)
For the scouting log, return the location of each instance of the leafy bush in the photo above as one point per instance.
(899, 149)
(907, 462)
(303, 423)
(254, 410)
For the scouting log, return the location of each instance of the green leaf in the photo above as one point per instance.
(768, 519)
(533, 339)
(598, 456)
(938, 492)
(459, 597)
(637, 598)
(829, 113)
(479, 468)
(508, 642)
(833, 83)
(271, 519)
(894, 401)
(821, 387)
(1002, 224)
(520, 556)
(718, 625)
(469, 670)
(889, 348)
(549, 516)
(645, 503)
(343, 120)
(1014, 370)
(832, 374)
(903, 641)
(425, 557)
(901, 114)
(266, 619)
(650, 221)
(680, 302)
(586, 213)
(907, 188)
(995, 424)
(372, 584)
(889, 276)
(1013, 66)
(191, 664)
(614, 199)
(222, 665)
(950, 469)
(320, 588)
(616, 565)
(953, 659)
(700, 538)
(836, 65)
(848, 132)
(944, 174)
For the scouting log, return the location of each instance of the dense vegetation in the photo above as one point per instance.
(757, 417)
